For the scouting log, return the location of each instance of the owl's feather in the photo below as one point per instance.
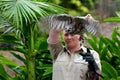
(77, 24)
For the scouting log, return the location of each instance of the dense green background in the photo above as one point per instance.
(21, 32)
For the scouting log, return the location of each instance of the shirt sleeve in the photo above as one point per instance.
(55, 48)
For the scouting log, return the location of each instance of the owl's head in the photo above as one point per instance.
(78, 26)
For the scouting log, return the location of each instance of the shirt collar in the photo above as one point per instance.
(82, 49)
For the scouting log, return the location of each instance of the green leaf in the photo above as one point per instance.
(19, 70)
(112, 19)
(3, 72)
(4, 60)
(118, 78)
(109, 70)
(104, 53)
(22, 12)
(118, 13)
(93, 43)
(21, 49)
(2, 26)
(48, 71)
(43, 44)
(10, 29)
(101, 43)
(8, 38)
(18, 57)
(116, 36)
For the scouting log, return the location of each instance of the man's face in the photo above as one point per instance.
(71, 39)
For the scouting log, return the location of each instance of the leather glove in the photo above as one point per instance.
(92, 64)
(90, 59)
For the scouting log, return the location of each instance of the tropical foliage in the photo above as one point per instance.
(19, 26)
(76, 7)
(21, 17)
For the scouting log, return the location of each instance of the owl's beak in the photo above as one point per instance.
(69, 29)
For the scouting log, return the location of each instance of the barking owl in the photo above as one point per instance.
(72, 25)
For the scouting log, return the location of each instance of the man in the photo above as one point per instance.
(69, 62)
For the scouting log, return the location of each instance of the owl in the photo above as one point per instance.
(71, 24)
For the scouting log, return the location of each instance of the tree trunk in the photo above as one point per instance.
(30, 69)
(30, 57)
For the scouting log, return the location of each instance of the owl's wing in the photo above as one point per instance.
(58, 21)
(80, 23)
(85, 24)
(93, 26)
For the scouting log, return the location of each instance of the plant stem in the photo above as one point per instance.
(30, 69)
(31, 57)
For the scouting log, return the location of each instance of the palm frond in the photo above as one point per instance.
(20, 12)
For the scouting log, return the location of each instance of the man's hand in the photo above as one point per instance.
(54, 36)
(88, 16)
